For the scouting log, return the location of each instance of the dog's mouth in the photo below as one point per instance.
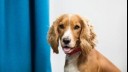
(67, 49)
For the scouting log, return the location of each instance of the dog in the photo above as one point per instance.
(77, 39)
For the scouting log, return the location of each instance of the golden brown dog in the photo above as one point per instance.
(78, 42)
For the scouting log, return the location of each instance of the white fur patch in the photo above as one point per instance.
(68, 34)
(72, 63)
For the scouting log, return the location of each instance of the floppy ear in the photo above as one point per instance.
(53, 37)
(87, 37)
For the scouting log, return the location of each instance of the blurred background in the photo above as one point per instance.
(23, 36)
(109, 18)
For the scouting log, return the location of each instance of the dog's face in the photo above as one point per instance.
(73, 32)
(69, 29)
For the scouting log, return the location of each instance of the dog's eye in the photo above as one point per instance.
(61, 26)
(76, 27)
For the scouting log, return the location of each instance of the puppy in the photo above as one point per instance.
(77, 40)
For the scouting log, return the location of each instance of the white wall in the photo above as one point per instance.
(109, 18)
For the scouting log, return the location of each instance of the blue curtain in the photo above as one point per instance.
(23, 36)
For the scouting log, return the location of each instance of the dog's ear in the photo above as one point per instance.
(87, 37)
(53, 37)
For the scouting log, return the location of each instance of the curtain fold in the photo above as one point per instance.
(42, 48)
(17, 53)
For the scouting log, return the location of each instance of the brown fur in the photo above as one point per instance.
(95, 62)
(90, 59)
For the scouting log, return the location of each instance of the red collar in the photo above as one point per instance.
(74, 51)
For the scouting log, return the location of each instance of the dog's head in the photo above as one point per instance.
(73, 32)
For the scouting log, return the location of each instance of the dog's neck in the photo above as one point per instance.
(73, 55)
(77, 54)
(71, 62)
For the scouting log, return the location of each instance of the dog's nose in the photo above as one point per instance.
(66, 40)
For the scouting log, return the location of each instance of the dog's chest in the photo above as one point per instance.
(71, 65)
